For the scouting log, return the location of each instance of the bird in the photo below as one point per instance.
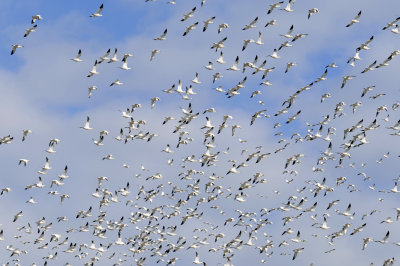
(153, 101)
(234, 67)
(273, 6)
(77, 57)
(271, 22)
(117, 82)
(189, 14)
(288, 34)
(31, 201)
(125, 64)
(207, 22)
(384, 239)
(153, 54)
(288, 7)
(104, 57)
(196, 79)
(345, 79)
(28, 31)
(114, 58)
(197, 259)
(312, 11)
(93, 71)
(15, 47)
(190, 28)
(296, 252)
(251, 24)
(162, 36)
(222, 26)
(35, 18)
(23, 161)
(355, 19)
(217, 46)
(25, 133)
(259, 40)
(391, 24)
(19, 214)
(97, 13)
(369, 68)
(87, 125)
(289, 65)
(246, 42)
(91, 89)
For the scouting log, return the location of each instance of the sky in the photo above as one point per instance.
(44, 91)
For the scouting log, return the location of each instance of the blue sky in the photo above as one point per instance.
(43, 90)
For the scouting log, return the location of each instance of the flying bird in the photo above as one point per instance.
(354, 20)
(14, 48)
(97, 13)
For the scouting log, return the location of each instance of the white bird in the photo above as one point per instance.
(189, 14)
(288, 7)
(114, 58)
(251, 24)
(31, 201)
(91, 89)
(116, 82)
(274, 54)
(384, 239)
(77, 57)
(273, 6)
(97, 13)
(25, 133)
(395, 188)
(234, 67)
(28, 31)
(36, 17)
(190, 27)
(222, 26)
(23, 161)
(105, 56)
(271, 22)
(288, 34)
(19, 214)
(324, 225)
(209, 66)
(99, 142)
(93, 71)
(345, 79)
(124, 65)
(5, 190)
(196, 79)
(312, 11)
(197, 259)
(289, 65)
(87, 125)
(153, 101)
(391, 24)
(207, 22)
(219, 45)
(354, 20)
(153, 54)
(108, 157)
(259, 40)
(14, 48)
(162, 36)
(246, 42)
(51, 149)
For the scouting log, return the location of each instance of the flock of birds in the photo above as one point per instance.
(197, 207)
